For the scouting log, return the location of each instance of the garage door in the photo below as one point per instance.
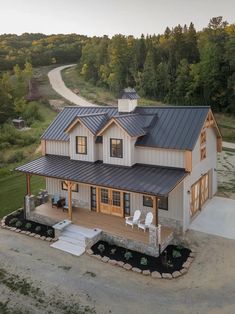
(199, 194)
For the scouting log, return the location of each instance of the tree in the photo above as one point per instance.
(148, 84)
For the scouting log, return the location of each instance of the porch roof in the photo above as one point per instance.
(145, 179)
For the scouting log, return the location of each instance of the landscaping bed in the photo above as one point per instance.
(17, 220)
(172, 262)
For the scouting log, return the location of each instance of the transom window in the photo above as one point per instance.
(147, 201)
(116, 148)
(81, 145)
(64, 186)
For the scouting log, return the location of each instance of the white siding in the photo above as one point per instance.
(209, 164)
(80, 198)
(57, 148)
(99, 151)
(116, 132)
(160, 157)
(175, 204)
(80, 130)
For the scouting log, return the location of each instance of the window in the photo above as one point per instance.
(116, 198)
(64, 186)
(81, 145)
(127, 203)
(116, 148)
(104, 196)
(163, 203)
(147, 201)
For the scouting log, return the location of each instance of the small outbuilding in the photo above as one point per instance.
(18, 123)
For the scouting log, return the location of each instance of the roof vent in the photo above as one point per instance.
(127, 100)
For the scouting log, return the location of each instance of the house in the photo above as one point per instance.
(114, 160)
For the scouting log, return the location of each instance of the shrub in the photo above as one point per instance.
(128, 255)
(113, 251)
(15, 157)
(28, 225)
(179, 247)
(13, 221)
(38, 229)
(50, 232)
(101, 248)
(18, 224)
(176, 253)
(15, 214)
(143, 261)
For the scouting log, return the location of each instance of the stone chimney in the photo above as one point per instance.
(128, 100)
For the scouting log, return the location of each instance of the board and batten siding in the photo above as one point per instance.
(175, 204)
(57, 148)
(116, 132)
(80, 199)
(159, 157)
(80, 130)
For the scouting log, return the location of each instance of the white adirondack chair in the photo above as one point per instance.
(144, 224)
(133, 220)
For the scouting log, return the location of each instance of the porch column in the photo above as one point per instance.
(155, 210)
(28, 189)
(69, 184)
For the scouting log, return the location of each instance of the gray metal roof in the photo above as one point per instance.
(139, 178)
(128, 93)
(133, 124)
(165, 127)
(56, 130)
(94, 122)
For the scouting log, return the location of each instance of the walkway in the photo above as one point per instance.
(59, 86)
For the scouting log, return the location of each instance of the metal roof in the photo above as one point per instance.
(139, 178)
(128, 93)
(56, 130)
(94, 122)
(164, 127)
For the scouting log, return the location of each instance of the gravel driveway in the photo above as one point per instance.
(64, 280)
(59, 86)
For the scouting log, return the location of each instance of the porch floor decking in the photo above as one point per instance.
(107, 223)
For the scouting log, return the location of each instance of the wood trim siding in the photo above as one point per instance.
(188, 160)
(43, 147)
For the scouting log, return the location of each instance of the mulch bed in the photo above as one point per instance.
(165, 263)
(19, 215)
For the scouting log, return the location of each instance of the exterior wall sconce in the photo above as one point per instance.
(189, 192)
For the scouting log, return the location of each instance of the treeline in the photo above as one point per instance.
(181, 66)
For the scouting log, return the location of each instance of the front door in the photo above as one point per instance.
(111, 202)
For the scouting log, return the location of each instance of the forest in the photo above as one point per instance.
(180, 67)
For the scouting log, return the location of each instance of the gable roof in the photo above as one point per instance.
(171, 127)
(94, 122)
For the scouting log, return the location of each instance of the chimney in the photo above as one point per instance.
(128, 100)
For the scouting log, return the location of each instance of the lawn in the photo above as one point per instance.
(226, 124)
(13, 190)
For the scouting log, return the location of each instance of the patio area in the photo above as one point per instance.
(108, 223)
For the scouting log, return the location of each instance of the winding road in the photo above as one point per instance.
(59, 86)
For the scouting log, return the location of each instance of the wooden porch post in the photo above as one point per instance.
(155, 210)
(70, 209)
(28, 189)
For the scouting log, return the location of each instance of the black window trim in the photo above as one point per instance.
(119, 139)
(162, 207)
(85, 137)
(144, 204)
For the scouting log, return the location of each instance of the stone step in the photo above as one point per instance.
(75, 241)
(68, 247)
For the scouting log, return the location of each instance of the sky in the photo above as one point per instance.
(108, 17)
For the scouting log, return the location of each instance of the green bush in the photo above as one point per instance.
(101, 248)
(28, 226)
(32, 113)
(113, 251)
(176, 253)
(13, 221)
(38, 229)
(16, 214)
(18, 224)
(15, 157)
(49, 232)
(143, 261)
(128, 255)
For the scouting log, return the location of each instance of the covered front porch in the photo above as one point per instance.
(91, 219)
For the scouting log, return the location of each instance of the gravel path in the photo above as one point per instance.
(59, 86)
(209, 287)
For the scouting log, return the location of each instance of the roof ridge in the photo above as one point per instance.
(92, 114)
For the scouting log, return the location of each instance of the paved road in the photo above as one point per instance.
(59, 86)
(217, 218)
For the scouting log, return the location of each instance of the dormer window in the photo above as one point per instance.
(116, 148)
(81, 145)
